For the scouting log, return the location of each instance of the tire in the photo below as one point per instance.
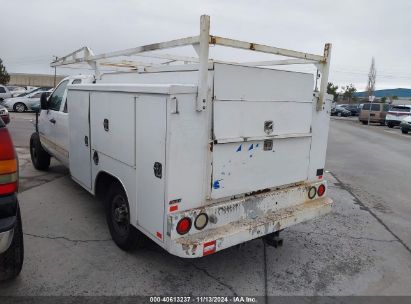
(364, 122)
(390, 125)
(11, 261)
(404, 131)
(19, 107)
(339, 114)
(125, 235)
(39, 157)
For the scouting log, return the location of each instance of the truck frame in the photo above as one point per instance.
(198, 156)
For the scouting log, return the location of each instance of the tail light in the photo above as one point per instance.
(201, 221)
(312, 192)
(321, 190)
(8, 164)
(183, 226)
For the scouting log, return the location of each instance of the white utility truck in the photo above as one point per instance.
(198, 155)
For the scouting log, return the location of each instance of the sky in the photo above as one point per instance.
(33, 31)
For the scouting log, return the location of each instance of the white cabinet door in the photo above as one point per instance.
(79, 147)
(150, 151)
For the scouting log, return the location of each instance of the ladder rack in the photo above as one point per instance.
(201, 44)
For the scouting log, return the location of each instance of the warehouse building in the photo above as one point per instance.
(35, 80)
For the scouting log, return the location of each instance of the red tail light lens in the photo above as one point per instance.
(321, 190)
(184, 226)
(8, 164)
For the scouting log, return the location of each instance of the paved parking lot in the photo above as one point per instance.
(357, 249)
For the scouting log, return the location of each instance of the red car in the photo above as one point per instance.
(4, 114)
(11, 233)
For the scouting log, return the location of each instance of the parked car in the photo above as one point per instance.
(15, 90)
(4, 93)
(34, 103)
(340, 111)
(11, 233)
(375, 112)
(396, 114)
(22, 104)
(33, 89)
(405, 125)
(353, 108)
(4, 115)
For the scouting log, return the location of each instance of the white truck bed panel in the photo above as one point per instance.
(151, 128)
(118, 141)
(232, 82)
(79, 146)
(245, 119)
(245, 167)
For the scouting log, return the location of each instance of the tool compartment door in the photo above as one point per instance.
(151, 126)
(79, 142)
(261, 124)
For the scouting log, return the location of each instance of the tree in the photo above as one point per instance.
(348, 92)
(4, 76)
(384, 99)
(395, 97)
(332, 89)
(372, 75)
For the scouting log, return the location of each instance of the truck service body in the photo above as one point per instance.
(209, 154)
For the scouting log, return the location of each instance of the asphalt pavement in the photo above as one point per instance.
(357, 249)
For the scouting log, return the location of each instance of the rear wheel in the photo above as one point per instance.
(118, 219)
(364, 122)
(39, 157)
(404, 131)
(11, 261)
(19, 107)
(390, 125)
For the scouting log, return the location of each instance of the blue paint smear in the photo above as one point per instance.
(216, 184)
(257, 145)
(239, 148)
(251, 147)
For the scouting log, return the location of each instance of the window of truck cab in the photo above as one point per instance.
(57, 97)
(75, 81)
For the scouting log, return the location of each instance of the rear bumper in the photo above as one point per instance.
(393, 122)
(251, 218)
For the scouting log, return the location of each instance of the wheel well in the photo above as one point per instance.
(102, 184)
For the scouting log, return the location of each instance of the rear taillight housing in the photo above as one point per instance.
(321, 190)
(8, 164)
(183, 226)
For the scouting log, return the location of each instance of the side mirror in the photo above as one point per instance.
(43, 101)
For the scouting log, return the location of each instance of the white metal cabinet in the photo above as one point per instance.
(151, 128)
(79, 147)
(112, 117)
(246, 166)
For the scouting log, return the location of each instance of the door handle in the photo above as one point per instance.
(53, 121)
(86, 140)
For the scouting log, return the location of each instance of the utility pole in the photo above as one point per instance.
(55, 71)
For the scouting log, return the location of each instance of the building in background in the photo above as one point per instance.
(400, 96)
(34, 80)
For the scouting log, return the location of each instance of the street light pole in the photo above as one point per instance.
(370, 99)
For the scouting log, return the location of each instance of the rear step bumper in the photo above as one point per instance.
(246, 229)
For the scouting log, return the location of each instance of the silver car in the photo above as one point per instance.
(24, 103)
